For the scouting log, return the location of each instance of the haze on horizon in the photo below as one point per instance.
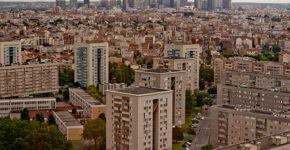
(253, 1)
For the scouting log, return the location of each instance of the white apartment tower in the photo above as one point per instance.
(10, 52)
(139, 118)
(92, 63)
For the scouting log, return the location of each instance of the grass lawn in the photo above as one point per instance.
(177, 146)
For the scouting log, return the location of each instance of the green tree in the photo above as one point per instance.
(66, 77)
(121, 74)
(95, 92)
(190, 101)
(177, 134)
(206, 73)
(276, 49)
(95, 130)
(150, 64)
(24, 135)
(212, 90)
(39, 117)
(24, 115)
(50, 120)
(65, 95)
(207, 101)
(207, 147)
(102, 116)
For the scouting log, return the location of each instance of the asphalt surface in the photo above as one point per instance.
(203, 132)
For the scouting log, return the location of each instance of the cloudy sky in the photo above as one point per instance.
(256, 1)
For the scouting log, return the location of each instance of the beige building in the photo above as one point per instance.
(10, 105)
(92, 107)
(139, 118)
(244, 66)
(190, 65)
(91, 63)
(236, 124)
(20, 80)
(279, 141)
(182, 50)
(110, 86)
(256, 98)
(169, 80)
(68, 125)
(10, 52)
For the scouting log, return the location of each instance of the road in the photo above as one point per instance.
(203, 133)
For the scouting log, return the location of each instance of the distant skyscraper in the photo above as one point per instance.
(61, 4)
(197, 4)
(91, 62)
(172, 3)
(10, 52)
(105, 3)
(211, 4)
(73, 3)
(125, 4)
(87, 2)
(227, 4)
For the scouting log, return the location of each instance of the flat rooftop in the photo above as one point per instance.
(161, 70)
(28, 99)
(67, 118)
(140, 90)
(86, 96)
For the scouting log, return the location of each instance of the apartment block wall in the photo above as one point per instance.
(10, 52)
(91, 63)
(174, 80)
(19, 80)
(139, 121)
(8, 105)
(91, 106)
(190, 65)
(232, 125)
(253, 97)
(68, 125)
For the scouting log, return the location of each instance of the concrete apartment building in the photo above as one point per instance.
(246, 65)
(139, 118)
(110, 86)
(21, 80)
(279, 141)
(263, 99)
(190, 65)
(169, 80)
(10, 52)
(236, 124)
(9, 105)
(68, 125)
(92, 107)
(91, 63)
(183, 50)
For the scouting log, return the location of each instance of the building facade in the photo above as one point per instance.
(92, 107)
(236, 124)
(91, 63)
(169, 80)
(190, 65)
(21, 80)
(68, 125)
(10, 105)
(10, 52)
(139, 118)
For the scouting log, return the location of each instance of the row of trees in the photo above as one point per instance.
(28, 135)
(196, 99)
(92, 90)
(206, 76)
(120, 74)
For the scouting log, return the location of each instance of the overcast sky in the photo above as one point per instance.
(256, 1)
